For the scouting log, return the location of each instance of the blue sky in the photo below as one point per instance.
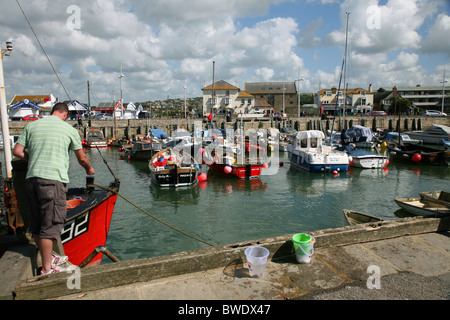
(162, 43)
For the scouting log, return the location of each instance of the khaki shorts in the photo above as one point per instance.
(47, 207)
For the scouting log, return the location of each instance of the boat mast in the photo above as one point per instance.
(345, 72)
(121, 100)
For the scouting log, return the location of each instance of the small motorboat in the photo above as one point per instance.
(421, 208)
(173, 167)
(355, 217)
(94, 139)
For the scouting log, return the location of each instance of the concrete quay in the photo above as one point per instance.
(401, 259)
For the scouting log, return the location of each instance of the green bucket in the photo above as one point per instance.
(304, 247)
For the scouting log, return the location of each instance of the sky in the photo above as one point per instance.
(167, 48)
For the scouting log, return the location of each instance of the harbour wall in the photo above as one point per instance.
(130, 128)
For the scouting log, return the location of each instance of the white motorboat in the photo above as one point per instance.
(432, 135)
(308, 152)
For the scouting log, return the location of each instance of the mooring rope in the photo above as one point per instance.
(157, 219)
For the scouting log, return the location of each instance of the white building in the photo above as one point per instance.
(227, 98)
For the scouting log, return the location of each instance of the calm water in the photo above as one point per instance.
(228, 210)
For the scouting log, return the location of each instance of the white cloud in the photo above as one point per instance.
(160, 43)
(437, 38)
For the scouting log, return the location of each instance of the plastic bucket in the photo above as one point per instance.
(256, 260)
(304, 247)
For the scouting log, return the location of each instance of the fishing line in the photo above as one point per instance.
(157, 219)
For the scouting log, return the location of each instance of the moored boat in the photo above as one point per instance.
(307, 152)
(416, 207)
(173, 168)
(437, 198)
(89, 214)
(418, 153)
(94, 139)
(234, 162)
(355, 217)
(432, 135)
(141, 147)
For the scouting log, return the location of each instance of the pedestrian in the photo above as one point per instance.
(46, 144)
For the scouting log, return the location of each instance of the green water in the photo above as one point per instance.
(228, 210)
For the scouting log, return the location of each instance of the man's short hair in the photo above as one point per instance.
(60, 107)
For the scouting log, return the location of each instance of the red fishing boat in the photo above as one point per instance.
(89, 213)
(231, 162)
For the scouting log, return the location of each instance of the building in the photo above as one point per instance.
(279, 95)
(358, 100)
(422, 98)
(22, 105)
(227, 98)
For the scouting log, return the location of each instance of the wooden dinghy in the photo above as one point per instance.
(436, 198)
(416, 207)
(355, 217)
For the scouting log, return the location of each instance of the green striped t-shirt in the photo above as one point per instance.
(49, 141)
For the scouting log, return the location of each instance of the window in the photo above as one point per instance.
(328, 93)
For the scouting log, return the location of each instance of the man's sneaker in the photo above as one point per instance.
(54, 269)
(58, 260)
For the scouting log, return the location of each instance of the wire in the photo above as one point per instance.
(157, 219)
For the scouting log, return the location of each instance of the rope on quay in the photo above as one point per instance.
(157, 219)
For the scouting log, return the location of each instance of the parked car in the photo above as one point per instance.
(377, 113)
(104, 116)
(31, 117)
(434, 113)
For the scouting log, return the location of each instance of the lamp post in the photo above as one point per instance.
(298, 93)
(443, 90)
(284, 89)
(4, 113)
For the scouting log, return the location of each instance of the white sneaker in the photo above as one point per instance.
(54, 269)
(58, 260)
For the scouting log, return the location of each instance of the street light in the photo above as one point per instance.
(284, 89)
(443, 90)
(4, 113)
(298, 93)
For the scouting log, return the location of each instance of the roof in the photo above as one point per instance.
(262, 103)
(221, 85)
(348, 91)
(32, 98)
(271, 87)
(245, 94)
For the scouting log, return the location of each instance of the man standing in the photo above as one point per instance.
(46, 144)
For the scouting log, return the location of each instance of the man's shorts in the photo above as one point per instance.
(47, 207)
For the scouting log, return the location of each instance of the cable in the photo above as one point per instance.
(157, 219)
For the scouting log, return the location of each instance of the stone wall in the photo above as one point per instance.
(129, 128)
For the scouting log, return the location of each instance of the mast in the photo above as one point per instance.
(345, 73)
(213, 100)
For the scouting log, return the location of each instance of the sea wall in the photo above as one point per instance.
(129, 128)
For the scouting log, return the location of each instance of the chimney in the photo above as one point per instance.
(370, 87)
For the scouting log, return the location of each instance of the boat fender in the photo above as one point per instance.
(417, 157)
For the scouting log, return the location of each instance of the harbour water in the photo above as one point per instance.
(228, 210)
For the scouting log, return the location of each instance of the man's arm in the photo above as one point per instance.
(19, 151)
(84, 161)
